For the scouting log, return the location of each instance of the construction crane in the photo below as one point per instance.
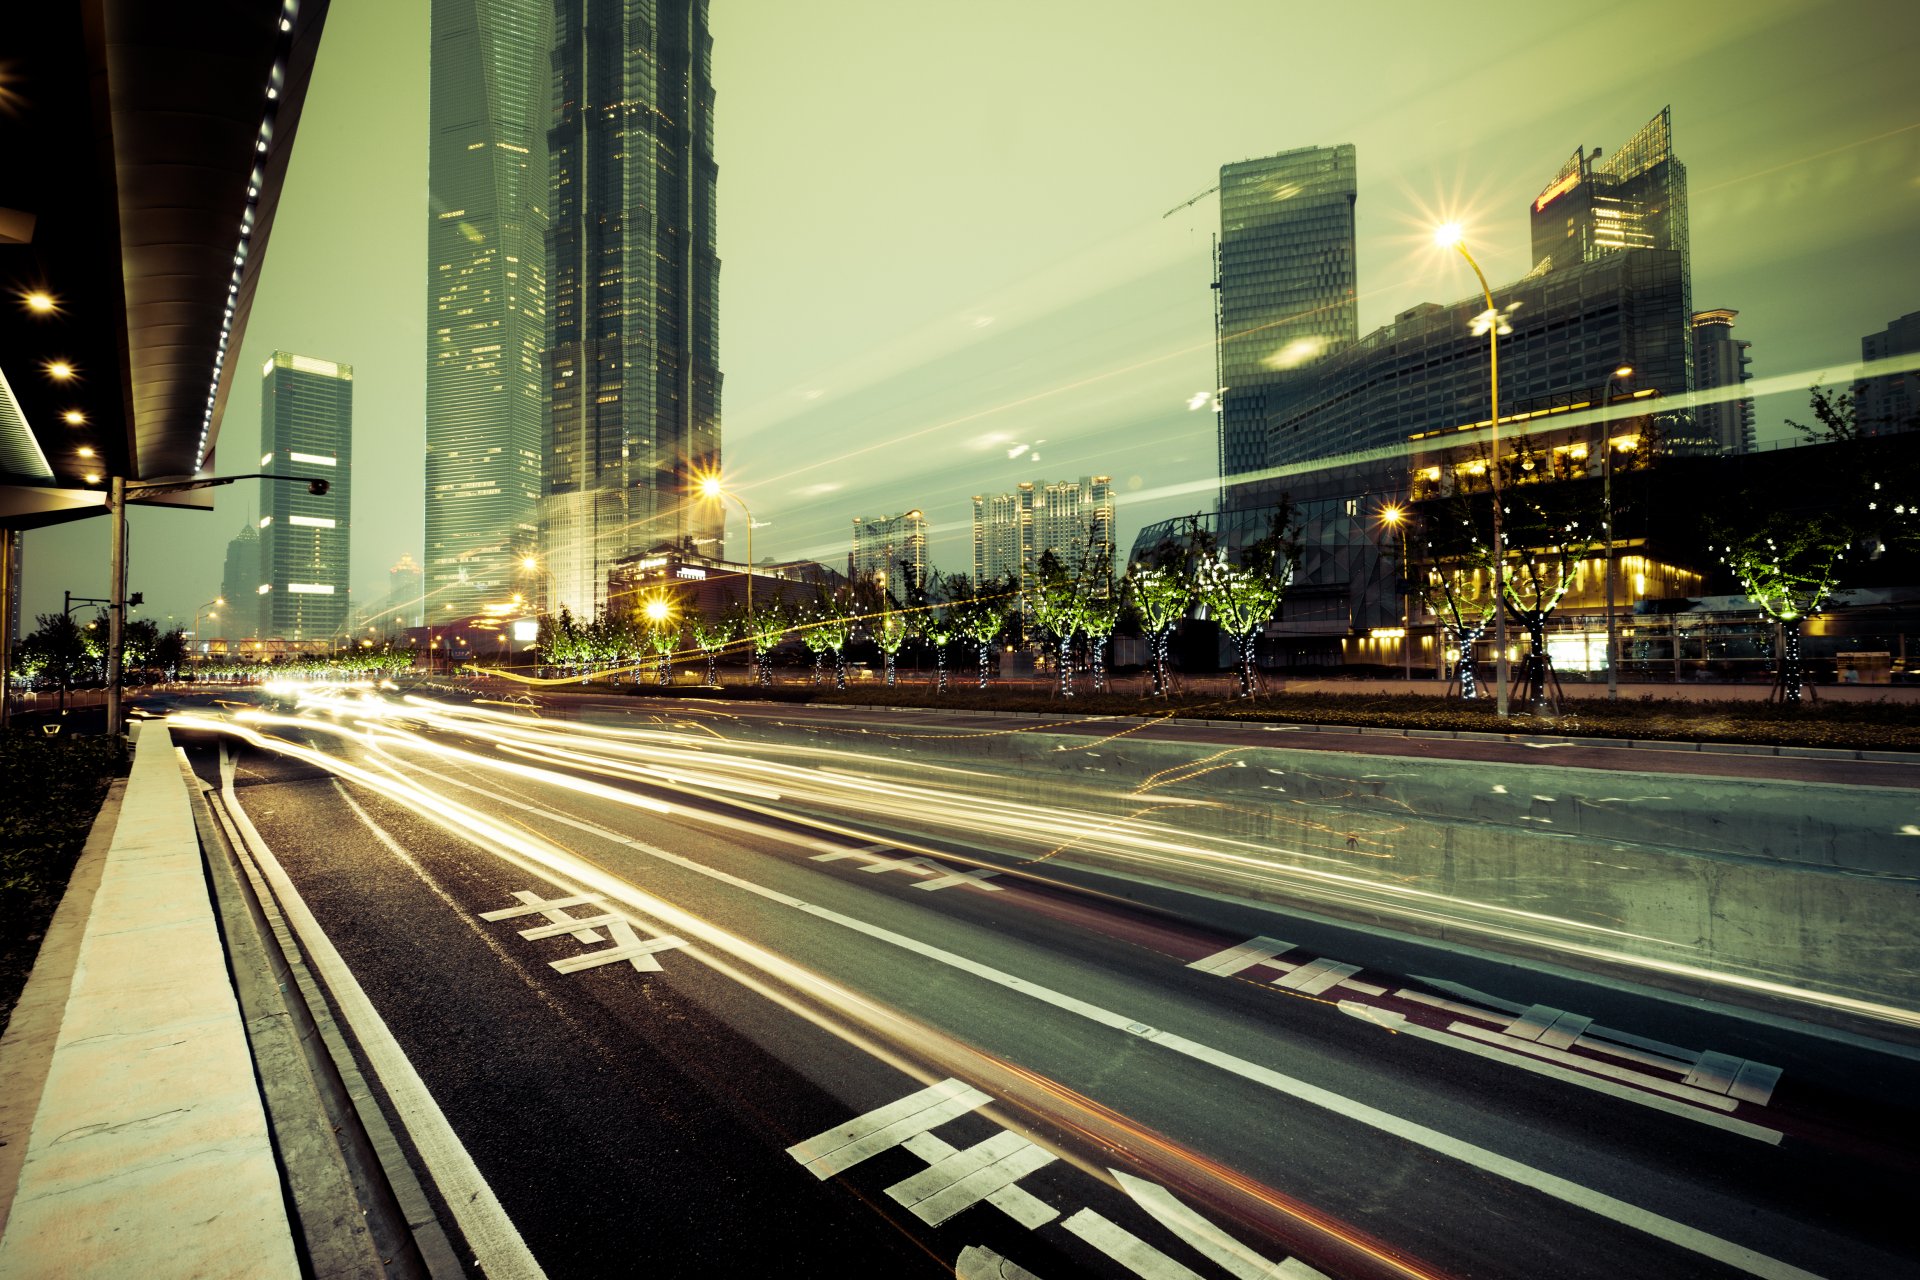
(1188, 204)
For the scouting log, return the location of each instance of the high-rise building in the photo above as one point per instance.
(1635, 199)
(405, 588)
(1287, 278)
(486, 294)
(633, 290)
(1071, 518)
(1890, 402)
(892, 550)
(1721, 360)
(240, 583)
(306, 428)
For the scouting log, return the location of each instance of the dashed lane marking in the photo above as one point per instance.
(1243, 956)
(1218, 1247)
(1127, 1249)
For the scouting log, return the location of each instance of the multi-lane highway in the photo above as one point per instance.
(721, 990)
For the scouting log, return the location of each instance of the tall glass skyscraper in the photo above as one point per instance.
(1287, 280)
(486, 296)
(634, 273)
(306, 542)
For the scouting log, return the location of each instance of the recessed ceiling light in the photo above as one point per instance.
(40, 302)
(73, 417)
(59, 370)
(85, 452)
(92, 477)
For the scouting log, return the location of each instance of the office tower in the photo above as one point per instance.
(240, 583)
(1635, 199)
(1071, 518)
(892, 550)
(486, 295)
(405, 584)
(1890, 402)
(633, 291)
(1286, 283)
(1721, 360)
(306, 429)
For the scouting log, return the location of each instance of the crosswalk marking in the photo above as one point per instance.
(627, 946)
(1016, 1202)
(1735, 1077)
(1234, 959)
(1316, 976)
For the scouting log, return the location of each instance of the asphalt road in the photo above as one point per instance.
(827, 1047)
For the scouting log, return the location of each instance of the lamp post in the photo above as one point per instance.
(1395, 518)
(211, 609)
(1621, 374)
(1451, 237)
(710, 488)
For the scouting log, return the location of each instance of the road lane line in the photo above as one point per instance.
(1317, 976)
(1127, 1249)
(1219, 1248)
(1686, 1093)
(1596, 1202)
(843, 1146)
(490, 1233)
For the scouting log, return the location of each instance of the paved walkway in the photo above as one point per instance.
(146, 1150)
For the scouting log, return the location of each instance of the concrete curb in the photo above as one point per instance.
(149, 1153)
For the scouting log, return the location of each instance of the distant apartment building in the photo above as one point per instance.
(892, 550)
(1720, 360)
(306, 429)
(489, 106)
(1890, 402)
(1287, 282)
(1071, 518)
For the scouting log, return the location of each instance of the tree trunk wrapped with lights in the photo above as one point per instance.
(1160, 594)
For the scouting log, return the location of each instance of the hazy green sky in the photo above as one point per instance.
(942, 238)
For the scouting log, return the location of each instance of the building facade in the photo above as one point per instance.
(486, 294)
(892, 550)
(1287, 281)
(633, 412)
(1634, 199)
(1071, 518)
(1720, 360)
(306, 429)
(1890, 402)
(240, 582)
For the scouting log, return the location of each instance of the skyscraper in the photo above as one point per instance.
(306, 428)
(1287, 278)
(1635, 199)
(1721, 360)
(486, 294)
(1890, 402)
(633, 277)
(882, 545)
(240, 582)
(1071, 518)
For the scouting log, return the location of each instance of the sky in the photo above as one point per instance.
(948, 264)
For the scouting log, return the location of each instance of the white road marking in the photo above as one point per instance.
(977, 1262)
(1245, 955)
(1016, 1202)
(532, 904)
(1219, 1247)
(1504, 1053)
(635, 950)
(1548, 1184)
(1699, 1097)
(495, 1241)
(572, 925)
(977, 878)
(1737, 1077)
(842, 1147)
(1127, 1249)
(965, 1178)
(945, 877)
(1318, 975)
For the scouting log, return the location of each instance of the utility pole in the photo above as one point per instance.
(117, 591)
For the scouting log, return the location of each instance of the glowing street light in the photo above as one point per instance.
(1492, 323)
(711, 488)
(657, 611)
(1394, 517)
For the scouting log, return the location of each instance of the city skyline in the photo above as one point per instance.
(940, 321)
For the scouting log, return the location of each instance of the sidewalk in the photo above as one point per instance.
(146, 1150)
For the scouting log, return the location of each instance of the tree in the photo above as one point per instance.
(979, 612)
(1160, 589)
(716, 633)
(765, 627)
(934, 621)
(661, 617)
(1058, 602)
(1787, 543)
(827, 626)
(1551, 529)
(887, 621)
(56, 651)
(1243, 597)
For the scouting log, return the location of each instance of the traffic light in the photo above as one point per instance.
(135, 600)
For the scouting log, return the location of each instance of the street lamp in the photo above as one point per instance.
(210, 609)
(1621, 374)
(1493, 324)
(1395, 518)
(710, 487)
